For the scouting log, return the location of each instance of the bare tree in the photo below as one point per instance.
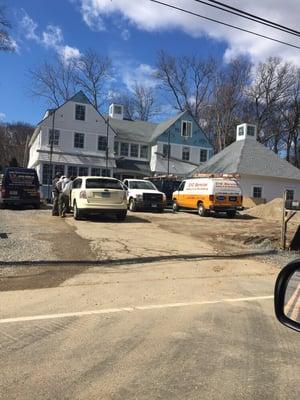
(13, 140)
(188, 80)
(140, 104)
(268, 96)
(57, 82)
(54, 82)
(92, 72)
(6, 42)
(226, 108)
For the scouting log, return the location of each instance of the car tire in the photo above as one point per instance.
(231, 214)
(76, 212)
(175, 207)
(202, 211)
(132, 205)
(121, 215)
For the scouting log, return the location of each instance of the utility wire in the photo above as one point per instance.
(252, 15)
(224, 23)
(254, 18)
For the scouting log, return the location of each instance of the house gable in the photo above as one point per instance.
(197, 139)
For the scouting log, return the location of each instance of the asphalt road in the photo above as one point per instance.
(202, 329)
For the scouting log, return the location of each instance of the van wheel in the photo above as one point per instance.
(202, 211)
(132, 205)
(76, 212)
(175, 207)
(231, 214)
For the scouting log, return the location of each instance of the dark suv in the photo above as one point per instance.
(19, 187)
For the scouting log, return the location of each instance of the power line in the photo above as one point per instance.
(254, 16)
(224, 23)
(250, 17)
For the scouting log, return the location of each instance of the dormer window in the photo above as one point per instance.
(80, 112)
(118, 109)
(250, 130)
(186, 129)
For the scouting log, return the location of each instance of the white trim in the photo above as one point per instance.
(188, 122)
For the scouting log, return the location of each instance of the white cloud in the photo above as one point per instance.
(149, 16)
(52, 37)
(125, 34)
(29, 27)
(69, 53)
(2, 116)
(132, 73)
(92, 16)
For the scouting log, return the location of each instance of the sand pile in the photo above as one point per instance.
(271, 210)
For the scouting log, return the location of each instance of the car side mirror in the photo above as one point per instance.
(287, 295)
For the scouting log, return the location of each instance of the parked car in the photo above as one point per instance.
(142, 194)
(20, 187)
(209, 194)
(98, 195)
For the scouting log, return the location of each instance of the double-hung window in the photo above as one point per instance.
(95, 172)
(72, 170)
(102, 143)
(203, 155)
(83, 171)
(79, 112)
(53, 137)
(185, 153)
(257, 192)
(144, 151)
(116, 148)
(186, 129)
(290, 194)
(79, 140)
(134, 150)
(124, 149)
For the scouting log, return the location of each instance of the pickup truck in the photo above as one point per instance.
(143, 195)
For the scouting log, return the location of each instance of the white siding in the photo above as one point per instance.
(271, 187)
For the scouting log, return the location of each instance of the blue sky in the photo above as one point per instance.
(131, 32)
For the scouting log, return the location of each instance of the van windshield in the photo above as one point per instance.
(98, 183)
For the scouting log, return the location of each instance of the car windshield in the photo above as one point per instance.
(141, 185)
(98, 183)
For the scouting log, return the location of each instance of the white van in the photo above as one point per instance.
(209, 194)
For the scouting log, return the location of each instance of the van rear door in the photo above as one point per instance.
(21, 184)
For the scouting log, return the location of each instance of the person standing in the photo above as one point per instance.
(55, 195)
(65, 187)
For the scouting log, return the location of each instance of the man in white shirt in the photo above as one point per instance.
(64, 187)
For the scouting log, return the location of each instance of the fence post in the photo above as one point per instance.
(284, 224)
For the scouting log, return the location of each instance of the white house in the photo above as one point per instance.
(263, 174)
(76, 139)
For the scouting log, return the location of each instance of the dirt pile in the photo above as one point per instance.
(271, 211)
